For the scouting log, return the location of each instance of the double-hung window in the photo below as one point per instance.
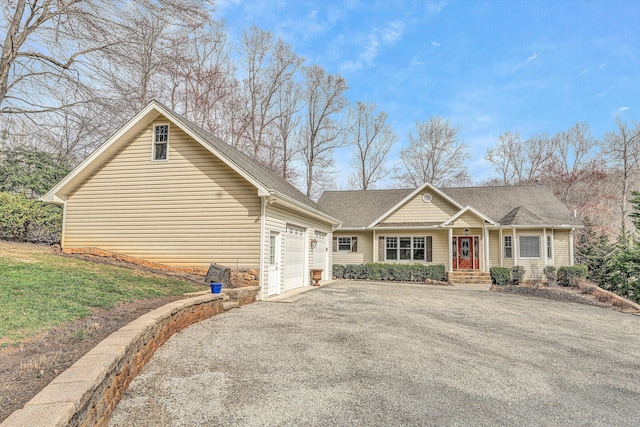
(409, 248)
(508, 247)
(160, 142)
(549, 247)
(344, 244)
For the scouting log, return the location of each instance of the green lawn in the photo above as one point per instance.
(40, 290)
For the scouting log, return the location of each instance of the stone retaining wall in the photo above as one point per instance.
(87, 393)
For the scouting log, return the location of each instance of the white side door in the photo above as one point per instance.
(294, 256)
(320, 253)
(274, 264)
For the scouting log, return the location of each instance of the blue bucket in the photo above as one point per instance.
(216, 287)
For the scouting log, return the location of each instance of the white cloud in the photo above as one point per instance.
(373, 42)
(623, 108)
(532, 57)
(393, 32)
(435, 43)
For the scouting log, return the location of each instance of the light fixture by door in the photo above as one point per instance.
(466, 231)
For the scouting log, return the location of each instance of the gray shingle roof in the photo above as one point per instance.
(516, 205)
(359, 208)
(538, 205)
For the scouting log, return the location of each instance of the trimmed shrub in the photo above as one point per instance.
(29, 220)
(391, 272)
(550, 275)
(517, 274)
(499, 275)
(338, 271)
(566, 274)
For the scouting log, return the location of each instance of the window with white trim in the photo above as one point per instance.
(529, 246)
(549, 247)
(408, 248)
(344, 244)
(508, 247)
(160, 142)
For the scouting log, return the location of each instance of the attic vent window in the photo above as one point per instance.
(426, 198)
(160, 142)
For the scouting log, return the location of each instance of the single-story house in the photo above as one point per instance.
(161, 189)
(466, 229)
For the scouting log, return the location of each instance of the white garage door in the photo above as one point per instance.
(294, 258)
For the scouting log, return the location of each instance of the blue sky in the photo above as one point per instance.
(521, 66)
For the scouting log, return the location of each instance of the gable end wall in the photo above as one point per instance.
(188, 211)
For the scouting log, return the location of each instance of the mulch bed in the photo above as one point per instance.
(556, 294)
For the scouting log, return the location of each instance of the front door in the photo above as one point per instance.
(274, 264)
(465, 253)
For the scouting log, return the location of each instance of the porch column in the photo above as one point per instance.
(501, 247)
(450, 249)
(374, 245)
(515, 246)
(571, 246)
(544, 245)
(486, 249)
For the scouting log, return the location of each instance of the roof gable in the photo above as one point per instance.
(465, 212)
(267, 182)
(417, 193)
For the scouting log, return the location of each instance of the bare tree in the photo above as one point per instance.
(267, 65)
(372, 138)
(622, 150)
(520, 162)
(573, 163)
(286, 142)
(506, 156)
(321, 132)
(434, 155)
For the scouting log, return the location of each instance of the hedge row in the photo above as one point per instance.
(392, 272)
(563, 276)
(29, 220)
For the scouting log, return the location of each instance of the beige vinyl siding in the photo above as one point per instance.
(416, 210)
(364, 250)
(439, 247)
(469, 219)
(560, 247)
(276, 219)
(187, 211)
(495, 248)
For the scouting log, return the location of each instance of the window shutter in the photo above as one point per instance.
(428, 251)
(381, 249)
(335, 244)
(354, 244)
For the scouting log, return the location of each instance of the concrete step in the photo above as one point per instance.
(229, 305)
(470, 277)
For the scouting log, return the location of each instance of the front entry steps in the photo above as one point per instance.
(469, 277)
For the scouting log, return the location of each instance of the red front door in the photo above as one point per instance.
(465, 253)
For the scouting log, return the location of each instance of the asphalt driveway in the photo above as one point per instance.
(354, 353)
